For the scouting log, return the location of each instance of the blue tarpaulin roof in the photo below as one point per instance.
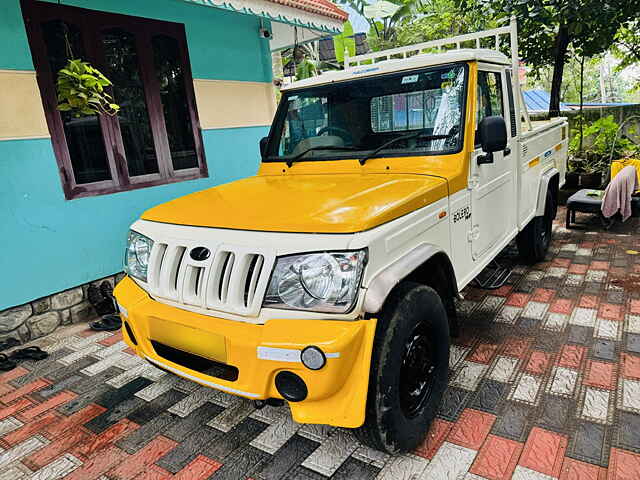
(539, 100)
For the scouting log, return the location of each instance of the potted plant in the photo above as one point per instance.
(81, 90)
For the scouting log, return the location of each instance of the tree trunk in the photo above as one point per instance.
(581, 101)
(560, 53)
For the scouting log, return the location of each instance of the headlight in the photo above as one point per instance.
(137, 255)
(320, 282)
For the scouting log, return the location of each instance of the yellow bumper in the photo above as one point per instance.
(337, 392)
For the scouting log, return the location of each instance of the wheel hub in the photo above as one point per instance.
(416, 372)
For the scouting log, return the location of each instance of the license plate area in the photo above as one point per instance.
(188, 339)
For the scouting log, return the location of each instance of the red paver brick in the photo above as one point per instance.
(115, 338)
(538, 362)
(471, 429)
(497, 458)
(15, 407)
(601, 375)
(483, 353)
(80, 417)
(543, 295)
(129, 350)
(200, 467)
(136, 463)
(571, 356)
(562, 305)
(5, 388)
(634, 307)
(30, 429)
(589, 301)
(599, 265)
(610, 312)
(24, 390)
(53, 402)
(434, 439)
(544, 452)
(103, 440)
(503, 291)
(631, 366)
(576, 470)
(86, 333)
(561, 262)
(56, 448)
(578, 268)
(518, 299)
(623, 465)
(516, 346)
(99, 464)
(13, 374)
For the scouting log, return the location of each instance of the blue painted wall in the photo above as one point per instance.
(49, 244)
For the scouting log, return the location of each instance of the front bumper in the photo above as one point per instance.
(337, 392)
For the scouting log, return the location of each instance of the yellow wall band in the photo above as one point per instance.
(229, 104)
(22, 114)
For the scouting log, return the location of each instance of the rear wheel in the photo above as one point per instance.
(534, 240)
(409, 369)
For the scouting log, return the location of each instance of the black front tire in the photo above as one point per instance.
(534, 240)
(405, 392)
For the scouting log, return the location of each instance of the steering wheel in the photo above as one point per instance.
(343, 133)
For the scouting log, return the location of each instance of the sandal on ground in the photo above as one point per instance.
(6, 363)
(8, 343)
(29, 353)
(108, 323)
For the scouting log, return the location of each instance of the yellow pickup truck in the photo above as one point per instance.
(329, 280)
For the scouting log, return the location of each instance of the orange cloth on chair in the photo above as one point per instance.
(618, 165)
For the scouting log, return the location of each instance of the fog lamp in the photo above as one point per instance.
(313, 358)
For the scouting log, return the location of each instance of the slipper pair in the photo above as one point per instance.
(8, 343)
(108, 323)
(28, 353)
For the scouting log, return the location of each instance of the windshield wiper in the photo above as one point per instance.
(318, 147)
(409, 136)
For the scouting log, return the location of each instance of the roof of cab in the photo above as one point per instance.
(400, 64)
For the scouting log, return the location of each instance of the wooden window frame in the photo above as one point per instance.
(91, 24)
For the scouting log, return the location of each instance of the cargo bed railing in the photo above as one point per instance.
(454, 43)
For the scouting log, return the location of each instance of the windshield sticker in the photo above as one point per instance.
(409, 79)
(448, 75)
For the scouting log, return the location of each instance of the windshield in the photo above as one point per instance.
(352, 119)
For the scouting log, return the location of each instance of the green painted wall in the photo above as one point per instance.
(50, 244)
(55, 244)
(222, 45)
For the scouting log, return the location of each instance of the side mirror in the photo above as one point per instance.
(493, 137)
(263, 146)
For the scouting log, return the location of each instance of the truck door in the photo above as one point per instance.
(493, 199)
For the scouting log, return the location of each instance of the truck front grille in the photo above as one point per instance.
(232, 279)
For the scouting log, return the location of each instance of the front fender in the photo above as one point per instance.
(380, 286)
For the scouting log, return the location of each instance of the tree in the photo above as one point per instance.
(627, 46)
(384, 17)
(549, 28)
(440, 19)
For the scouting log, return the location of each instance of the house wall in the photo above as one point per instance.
(50, 244)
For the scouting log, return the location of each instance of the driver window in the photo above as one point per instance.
(489, 98)
(305, 118)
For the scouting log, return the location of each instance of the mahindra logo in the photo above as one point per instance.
(200, 253)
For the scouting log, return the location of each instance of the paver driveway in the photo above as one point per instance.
(545, 383)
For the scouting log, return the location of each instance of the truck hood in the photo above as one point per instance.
(343, 203)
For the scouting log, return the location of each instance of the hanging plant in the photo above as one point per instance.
(81, 90)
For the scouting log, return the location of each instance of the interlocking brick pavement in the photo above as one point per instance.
(544, 383)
